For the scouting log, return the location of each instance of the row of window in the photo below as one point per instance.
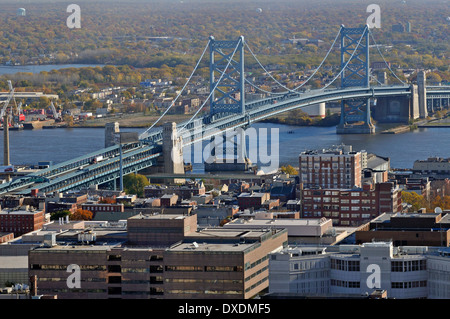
(346, 284)
(408, 265)
(409, 284)
(396, 266)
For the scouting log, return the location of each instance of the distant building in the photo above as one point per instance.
(21, 12)
(435, 165)
(185, 191)
(398, 28)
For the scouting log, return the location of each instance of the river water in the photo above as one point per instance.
(4, 69)
(61, 144)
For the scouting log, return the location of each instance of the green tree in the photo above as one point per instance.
(58, 214)
(135, 183)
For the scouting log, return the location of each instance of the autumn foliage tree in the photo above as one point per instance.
(81, 214)
(417, 201)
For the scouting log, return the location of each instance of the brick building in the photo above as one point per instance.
(21, 221)
(252, 200)
(351, 207)
(334, 168)
(103, 207)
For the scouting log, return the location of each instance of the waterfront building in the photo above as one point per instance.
(331, 168)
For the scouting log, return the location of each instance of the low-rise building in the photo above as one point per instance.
(253, 200)
(351, 207)
(21, 220)
(420, 229)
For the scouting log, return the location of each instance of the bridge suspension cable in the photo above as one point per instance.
(307, 80)
(346, 64)
(387, 64)
(179, 94)
(215, 87)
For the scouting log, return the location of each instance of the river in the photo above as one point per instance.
(5, 69)
(61, 144)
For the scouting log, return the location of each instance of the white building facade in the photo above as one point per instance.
(358, 270)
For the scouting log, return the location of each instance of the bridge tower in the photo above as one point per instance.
(172, 151)
(355, 113)
(421, 84)
(228, 95)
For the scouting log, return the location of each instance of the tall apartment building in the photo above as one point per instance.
(332, 168)
(164, 257)
(351, 207)
(355, 270)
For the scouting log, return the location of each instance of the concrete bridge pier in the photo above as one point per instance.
(172, 161)
(172, 151)
(421, 84)
(397, 109)
(355, 118)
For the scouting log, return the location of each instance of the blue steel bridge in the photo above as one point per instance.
(354, 86)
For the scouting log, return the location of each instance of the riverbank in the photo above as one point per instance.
(134, 120)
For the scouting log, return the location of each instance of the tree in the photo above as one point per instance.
(415, 200)
(135, 183)
(59, 214)
(81, 214)
(68, 119)
(289, 170)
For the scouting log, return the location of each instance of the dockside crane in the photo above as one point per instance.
(6, 103)
(56, 115)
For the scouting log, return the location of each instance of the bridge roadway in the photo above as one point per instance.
(138, 156)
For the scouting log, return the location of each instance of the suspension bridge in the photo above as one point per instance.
(354, 86)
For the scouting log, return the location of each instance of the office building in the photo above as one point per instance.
(162, 257)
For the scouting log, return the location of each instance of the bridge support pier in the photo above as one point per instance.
(421, 83)
(355, 118)
(172, 151)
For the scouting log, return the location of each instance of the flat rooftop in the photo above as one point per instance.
(158, 216)
(277, 222)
